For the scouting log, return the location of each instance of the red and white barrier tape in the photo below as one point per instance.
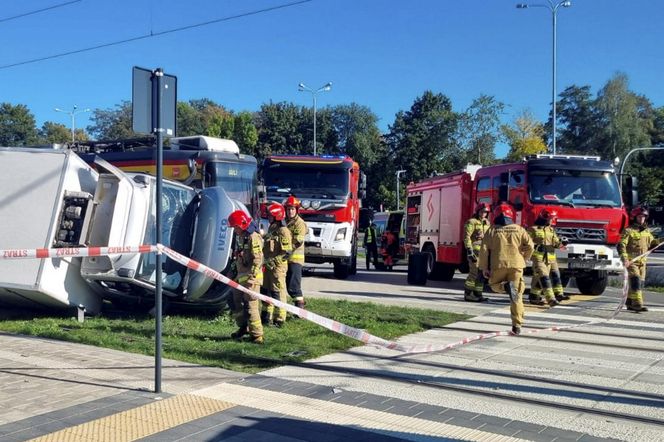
(72, 252)
(335, 326)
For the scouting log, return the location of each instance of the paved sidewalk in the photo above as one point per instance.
(52, 390)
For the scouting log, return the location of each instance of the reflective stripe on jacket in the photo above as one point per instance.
(546, 242)
(635, 241)
(250, 259)
(298, 230)
(474, 231)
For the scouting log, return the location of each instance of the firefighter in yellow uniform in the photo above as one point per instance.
(249, 262)
(635, 241)
(298, 230)
(474, 230)
(277, 250)
(505, 248)
(546, 275)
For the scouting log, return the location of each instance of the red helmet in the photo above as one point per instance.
(277, 211)
(240, 219)
(291, 201)
(483, 207)
(548, 215)
(505, 210)
(637, 211)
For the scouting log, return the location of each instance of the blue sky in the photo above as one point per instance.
(378, 53)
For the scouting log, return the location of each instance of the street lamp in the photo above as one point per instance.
(302, 87)
(72, 114)
(399, 172)
(553, 7)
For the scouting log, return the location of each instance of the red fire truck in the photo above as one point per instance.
(583, 190)
(330, 189)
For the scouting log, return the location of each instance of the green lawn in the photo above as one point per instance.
(205, 340)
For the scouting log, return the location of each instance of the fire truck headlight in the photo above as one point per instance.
(341, 234)
(315, 204)
(306, 204)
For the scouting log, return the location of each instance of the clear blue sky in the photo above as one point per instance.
(378, 53)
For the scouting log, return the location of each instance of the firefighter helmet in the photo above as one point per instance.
(277, 211)
(505, 210)
(638, 211)
(291, 201)
(548, 215)
(483, 207)
(239, 218)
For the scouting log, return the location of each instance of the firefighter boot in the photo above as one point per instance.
(257, 340)
(535, 300)
(239, 333)
(628, 303)
(265, 317)
(553, 302)
(562, 297)
(516, 330)
(479, 295)
(636, 306)
(470, 296)
(299, 304)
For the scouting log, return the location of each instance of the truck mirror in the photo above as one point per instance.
(630, 191)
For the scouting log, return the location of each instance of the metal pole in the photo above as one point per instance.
(553, 89)
(73, 130)
(397, 190)
(624, 161)
(314, 95)
(156, 101)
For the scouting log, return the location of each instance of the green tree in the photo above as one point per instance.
(525, 136)
(421, 141)
(280, 129)
(245, 133)
(17, 125)
(657, 134)
(56, 133)
(357, 133)
(621, 125)
(577, 122)
(479, 129)
(112, 124)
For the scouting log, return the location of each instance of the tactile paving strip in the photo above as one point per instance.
(142, 421)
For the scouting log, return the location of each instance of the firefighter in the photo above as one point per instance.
(636, 240)
(371, 245)
(474, 229)
(249, 262)
(546, 275)
(276, 250)
(298, 230)
(505, 248)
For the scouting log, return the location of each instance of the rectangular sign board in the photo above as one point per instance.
(144, 113)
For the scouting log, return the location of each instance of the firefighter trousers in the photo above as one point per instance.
(637, 279)
(497, 282)
(246, 310)
(275, 284)
(475, 279)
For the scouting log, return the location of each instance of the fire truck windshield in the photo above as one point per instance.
(307, 182)
(238, 180)
(574, 188)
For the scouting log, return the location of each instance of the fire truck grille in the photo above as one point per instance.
(582, 234)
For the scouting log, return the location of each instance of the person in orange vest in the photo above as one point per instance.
(505, 249)
(636, 240)
(391, 246)
(276, 251)
(298, 230)
(249, 262)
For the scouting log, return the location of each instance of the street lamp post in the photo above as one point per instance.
(553, 7)
(399, 172)
(72, 114)
(302, 87)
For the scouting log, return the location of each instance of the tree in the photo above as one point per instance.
(621, 126)
(479, 129)
(357, 133)
(525, 136)
(56, 133)
(421, 140)
(280, 129)
(577, 122)
(113, 124)
(657, 134)
(245, 133)
(17, 125)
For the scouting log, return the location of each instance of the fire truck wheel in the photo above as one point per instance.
(341, 270)
(417, 269)
(443, 272)
(592, 283)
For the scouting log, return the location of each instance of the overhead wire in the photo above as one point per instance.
(152, 34)
(37, 11)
